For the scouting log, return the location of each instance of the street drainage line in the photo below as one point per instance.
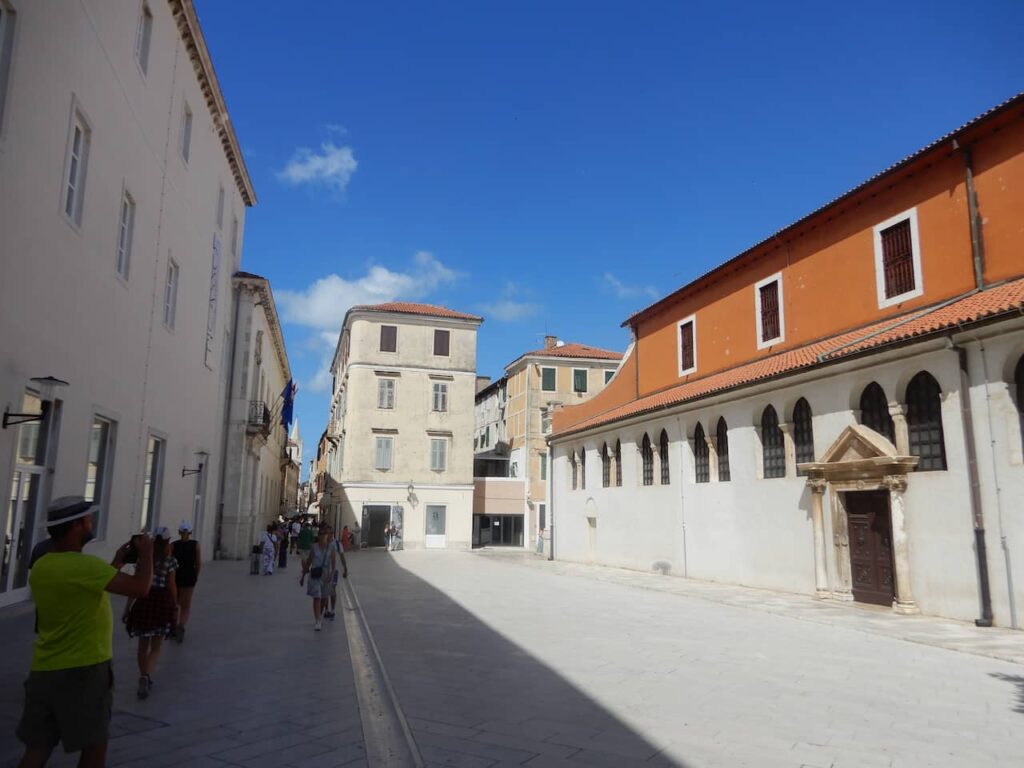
(386, 733)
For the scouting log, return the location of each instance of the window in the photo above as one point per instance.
(234, 236)
(724, 475)
(545, 421)
(185, 143)
(606, 467)
(663, 457)
(389, 338)
(772, 446)
(382, 453)
(608, 376)
(98, 465)
(897, 259)
(618, 464)
(579, 380)
(125, 230)
(572, 467)
(647, 458)
(874, 412)
(924, 422)
(436, 519)
(220, 207)
(440, 398)
(439, 454)
(7, 19)
(385, 393)
(487, 436)
(701, 456)
(583, 467)
(78, 162)
(543, 466)
(171, 294)
(143, 36)
(442, 341)
(803, 432)
(152, 483)
(687, 345)
(768, 296)
(547, 379)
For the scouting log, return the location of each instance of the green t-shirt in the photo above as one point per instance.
(75, 621)
(305, 538)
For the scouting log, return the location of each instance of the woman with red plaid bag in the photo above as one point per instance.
(152, 618)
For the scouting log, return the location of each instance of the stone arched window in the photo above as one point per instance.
(722, 442)
(773, 450)
(874, 412)
(924, 422)
(701, 456)
(618, 464)
(583, 467)
(606, 467)
(572, 467)
(663, 457)
(803, 432)
(647, 457)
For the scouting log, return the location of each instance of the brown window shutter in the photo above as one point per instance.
(686, 342)
(898, 259)
(441, 342)
(388, 338)
(770, 311)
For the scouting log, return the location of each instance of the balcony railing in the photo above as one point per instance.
(259, 418)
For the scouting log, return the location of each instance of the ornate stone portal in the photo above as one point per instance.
(859, 460)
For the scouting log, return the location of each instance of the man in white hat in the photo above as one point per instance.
(69, 691)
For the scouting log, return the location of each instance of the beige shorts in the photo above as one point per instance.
(71, 706)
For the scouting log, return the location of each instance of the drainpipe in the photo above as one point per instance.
(682, 508)
(551, 502)
(974, 218)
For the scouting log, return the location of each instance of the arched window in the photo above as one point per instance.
(606, 467)
(572, 466)
(724, 475)
(647, 455)
(618, 464)
(772, 449)
(663, 457)
(874, 412)
(701, 456)
(583, 467)
(803, 432)
(924, 422)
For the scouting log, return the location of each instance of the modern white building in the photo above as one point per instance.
(400, 434)
(122, 201)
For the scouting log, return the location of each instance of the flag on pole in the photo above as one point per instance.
(288, 396)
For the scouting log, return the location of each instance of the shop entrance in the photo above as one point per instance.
(871, 556)
(376, 518)
(499, 531)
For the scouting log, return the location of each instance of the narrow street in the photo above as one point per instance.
(501, 659)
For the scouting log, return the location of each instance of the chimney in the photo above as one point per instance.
(550, 342)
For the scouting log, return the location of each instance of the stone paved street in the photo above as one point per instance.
(500, 659)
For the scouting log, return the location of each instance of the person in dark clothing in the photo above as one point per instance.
(282, 552)
(190, 560)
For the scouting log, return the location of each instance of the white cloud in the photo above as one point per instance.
(507, 311)
(623, 291)
(333, 166)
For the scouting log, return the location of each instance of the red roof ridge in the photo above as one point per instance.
(414, 308)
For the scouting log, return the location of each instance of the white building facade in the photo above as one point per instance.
(122, 202)
(400, 435)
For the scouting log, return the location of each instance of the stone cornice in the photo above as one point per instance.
(261, 286)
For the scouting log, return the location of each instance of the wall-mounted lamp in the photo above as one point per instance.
(411, 494)
(47, 386)
(202, 456)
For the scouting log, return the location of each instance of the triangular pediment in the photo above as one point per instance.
(857, 443)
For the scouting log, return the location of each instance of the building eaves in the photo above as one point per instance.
(262, 286)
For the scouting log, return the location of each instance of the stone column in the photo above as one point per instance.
(841, 543)
(712, 441)
(789, 448)
(817, 487)
(898, 411)
(905, 603)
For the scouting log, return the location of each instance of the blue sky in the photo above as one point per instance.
(555, 166)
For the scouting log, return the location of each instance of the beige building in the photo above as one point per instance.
(122, 199)
(400, 434)
(534, 386)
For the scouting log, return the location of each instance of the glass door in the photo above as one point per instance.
(19, 519)
(435, 534)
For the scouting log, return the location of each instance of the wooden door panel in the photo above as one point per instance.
(870, 536)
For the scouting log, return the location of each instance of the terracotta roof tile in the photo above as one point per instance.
(973, 308)
(410, 308)
(576, 350)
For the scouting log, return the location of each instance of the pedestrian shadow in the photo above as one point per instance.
(472, 697)
(1016, 680)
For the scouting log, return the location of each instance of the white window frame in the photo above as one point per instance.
(144, 37)
(915, 245)
(172, 279)
(542, 387)
(154, 474)
(106, 471)
(609, 375)
(438, 454)
(8, 23)
(76, 168)
(762, 343)
(383, 461)
(125, 235)
(439, 397)
(185, 133)
(679, 345)
(386, 393)
(586, 374)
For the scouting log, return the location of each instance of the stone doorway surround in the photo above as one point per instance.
(859, 460)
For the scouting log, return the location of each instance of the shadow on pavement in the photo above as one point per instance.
(472, 697)
(1018, 681)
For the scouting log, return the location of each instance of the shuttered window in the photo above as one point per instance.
(438, 454)
(382, 454)
(771, 328)
(772, 447)
(606, 467)
(579, 379)
(547, 379)
(386, 393)
(897, 259)
(442, 340)
(440, 397)
(874, 412)
(647, 457)
(724, 475)
(924, 422)
(687, 351)
(803, 432)
(701, 456)
(388, 338)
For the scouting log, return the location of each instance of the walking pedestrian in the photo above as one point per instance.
(268, 541)
(387, 536)
(396, 536)
(282, 546)
(190, 560)
(69, 690)
(306, 537)
(296, 528)
(152, 618)
(329, 611)
(320, 564)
